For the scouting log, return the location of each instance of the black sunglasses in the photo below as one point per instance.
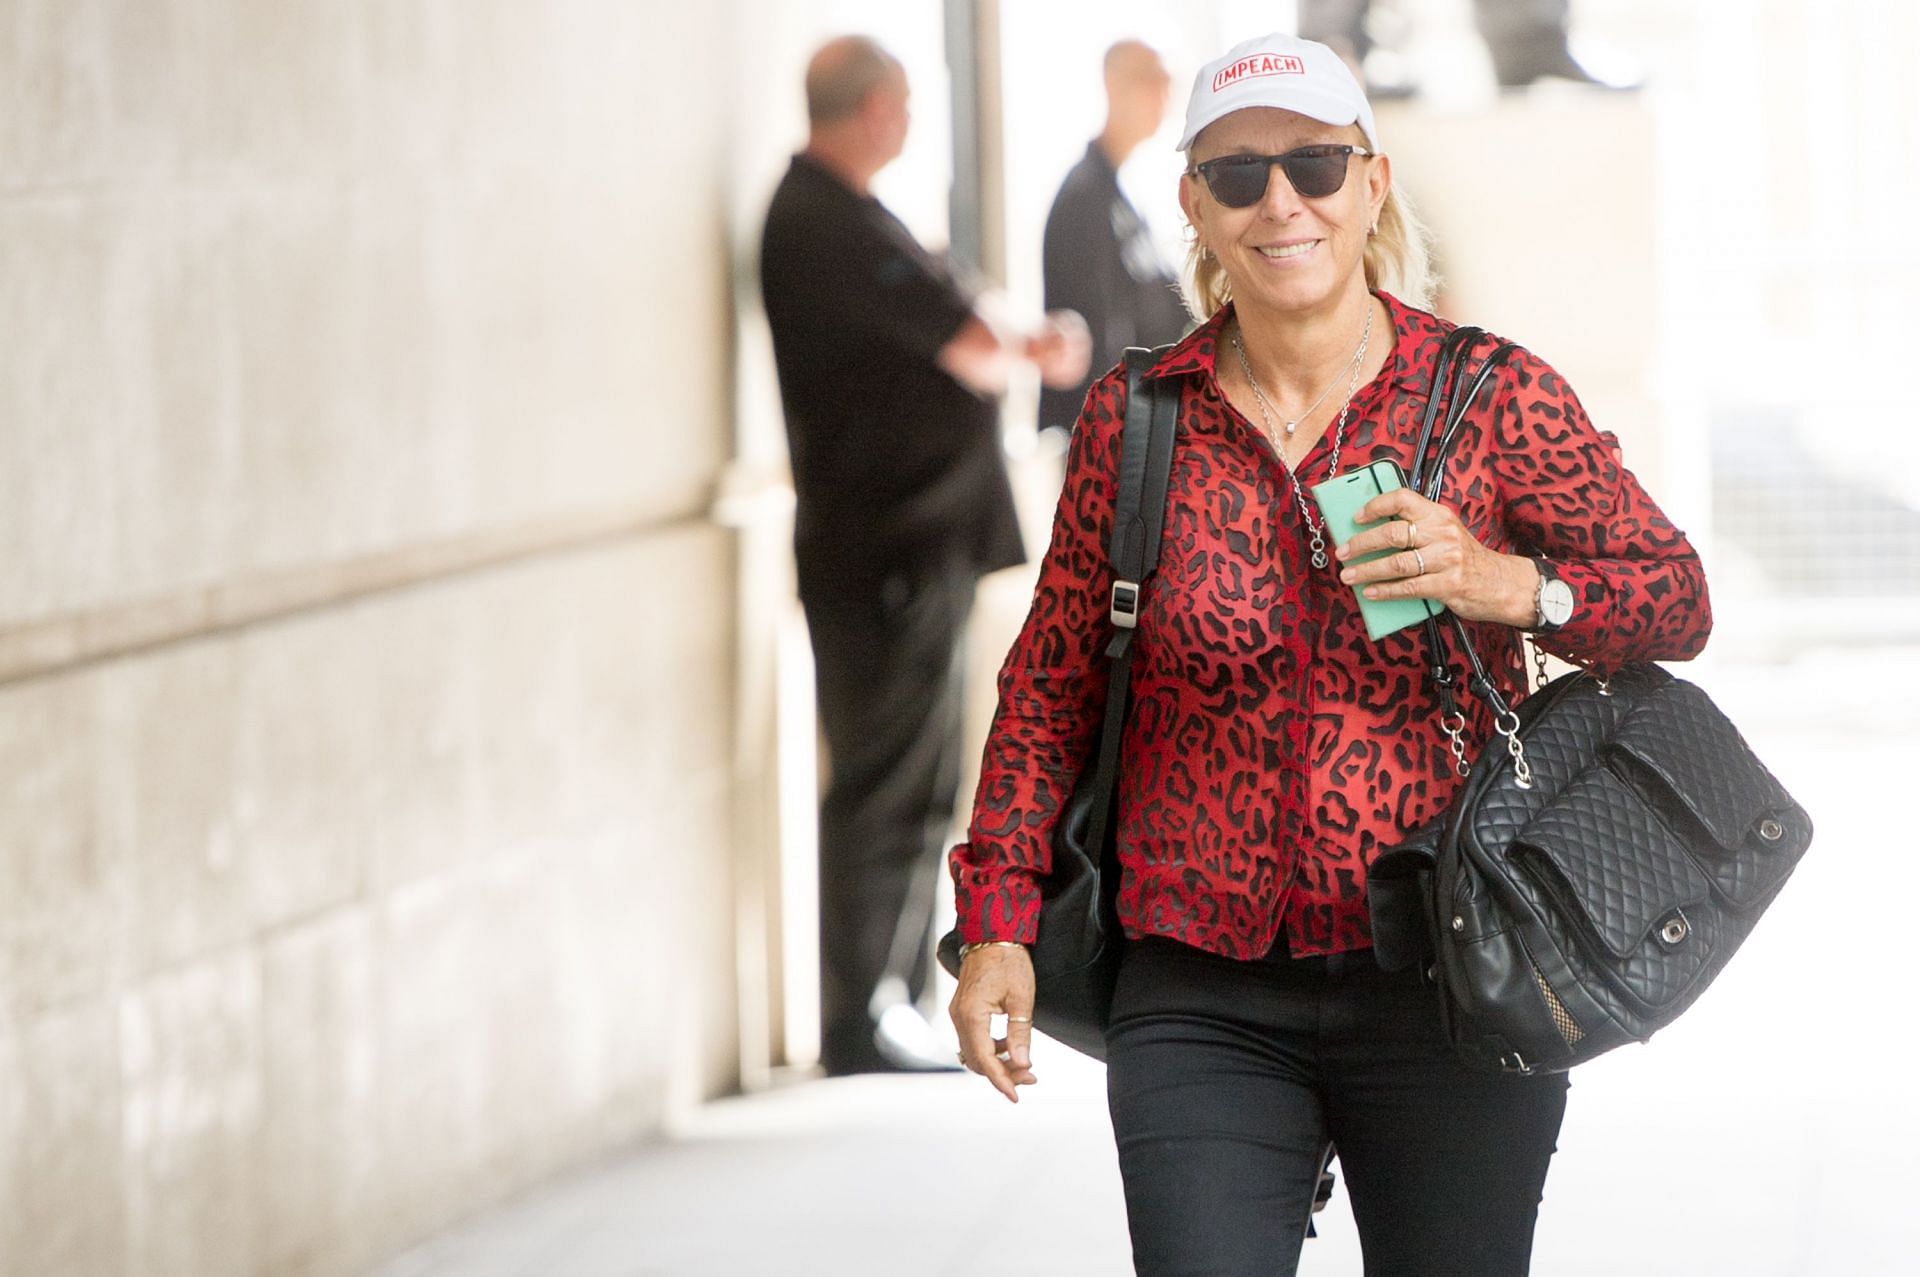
(1239, 181)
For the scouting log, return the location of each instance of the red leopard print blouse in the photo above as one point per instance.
(1272, 749)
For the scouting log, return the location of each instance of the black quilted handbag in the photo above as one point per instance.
(1076, 952)
(1605, 857)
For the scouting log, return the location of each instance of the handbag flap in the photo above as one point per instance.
(1611, 860)
(1679, 740)
(1698, 757)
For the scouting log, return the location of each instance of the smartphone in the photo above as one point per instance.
(1340, 499)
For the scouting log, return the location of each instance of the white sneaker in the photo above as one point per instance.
(906, 1041)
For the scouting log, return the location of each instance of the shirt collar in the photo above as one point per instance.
(1412, 328)
(1194, 352)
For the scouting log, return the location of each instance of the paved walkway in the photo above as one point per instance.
(1775, 1132)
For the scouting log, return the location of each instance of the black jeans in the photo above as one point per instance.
(887, 674)
(1226, 1081)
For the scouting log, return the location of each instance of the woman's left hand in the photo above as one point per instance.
(1437, 558)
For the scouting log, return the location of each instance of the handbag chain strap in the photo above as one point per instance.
(1447, 405)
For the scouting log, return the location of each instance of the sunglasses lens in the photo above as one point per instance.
(1239, 181)
(1314, 172)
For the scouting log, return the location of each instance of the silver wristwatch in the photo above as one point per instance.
(1552, 598)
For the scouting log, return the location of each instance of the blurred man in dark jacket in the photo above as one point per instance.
(1099, 257)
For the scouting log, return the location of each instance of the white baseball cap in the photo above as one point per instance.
(1282, 71)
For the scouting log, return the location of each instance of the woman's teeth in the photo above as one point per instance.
(1290, 250)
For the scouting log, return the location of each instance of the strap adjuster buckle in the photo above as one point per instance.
(1124, 609)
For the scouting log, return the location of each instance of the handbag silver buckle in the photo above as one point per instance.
(1124, 607)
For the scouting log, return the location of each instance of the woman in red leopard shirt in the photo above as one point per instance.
(1273, 749)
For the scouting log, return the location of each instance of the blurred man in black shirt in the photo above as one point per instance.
(1099, 257)
(888, 377)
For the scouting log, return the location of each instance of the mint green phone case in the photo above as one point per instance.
(1340, 499)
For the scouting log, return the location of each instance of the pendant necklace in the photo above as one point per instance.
(1316, 531)
(1291, 426)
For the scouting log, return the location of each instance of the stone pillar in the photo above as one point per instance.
(365, 643)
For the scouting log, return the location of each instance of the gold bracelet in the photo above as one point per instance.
(965, 949)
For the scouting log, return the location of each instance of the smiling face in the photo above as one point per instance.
(1287, 254)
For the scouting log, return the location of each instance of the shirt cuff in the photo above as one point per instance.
(996, 904)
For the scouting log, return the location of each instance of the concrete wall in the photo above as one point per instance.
(365, 650)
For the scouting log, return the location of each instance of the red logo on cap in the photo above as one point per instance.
(1258, 65)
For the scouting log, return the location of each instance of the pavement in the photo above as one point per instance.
(1773, 1132)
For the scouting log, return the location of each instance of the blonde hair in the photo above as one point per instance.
(1397, 261)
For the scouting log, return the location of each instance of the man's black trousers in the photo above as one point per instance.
(888, 667)
(1226, 1081)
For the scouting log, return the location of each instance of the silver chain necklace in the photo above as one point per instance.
(1291, 426)
(1316, 531)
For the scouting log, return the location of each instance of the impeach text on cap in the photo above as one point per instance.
(1258, 65)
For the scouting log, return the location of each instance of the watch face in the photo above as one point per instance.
(1556, 602)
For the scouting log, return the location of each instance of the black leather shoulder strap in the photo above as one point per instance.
(1140, 493)
(1146, 458)
(1139, 519)
(1446, 376)
(1447, 404)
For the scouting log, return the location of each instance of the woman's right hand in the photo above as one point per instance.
(996, 980)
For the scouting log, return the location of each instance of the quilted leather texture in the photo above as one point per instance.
(1624, 878)
(1578, 840)
(1680, 736)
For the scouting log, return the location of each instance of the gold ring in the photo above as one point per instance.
(1420, 564)
(1410, 541)
(1019, 1019)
